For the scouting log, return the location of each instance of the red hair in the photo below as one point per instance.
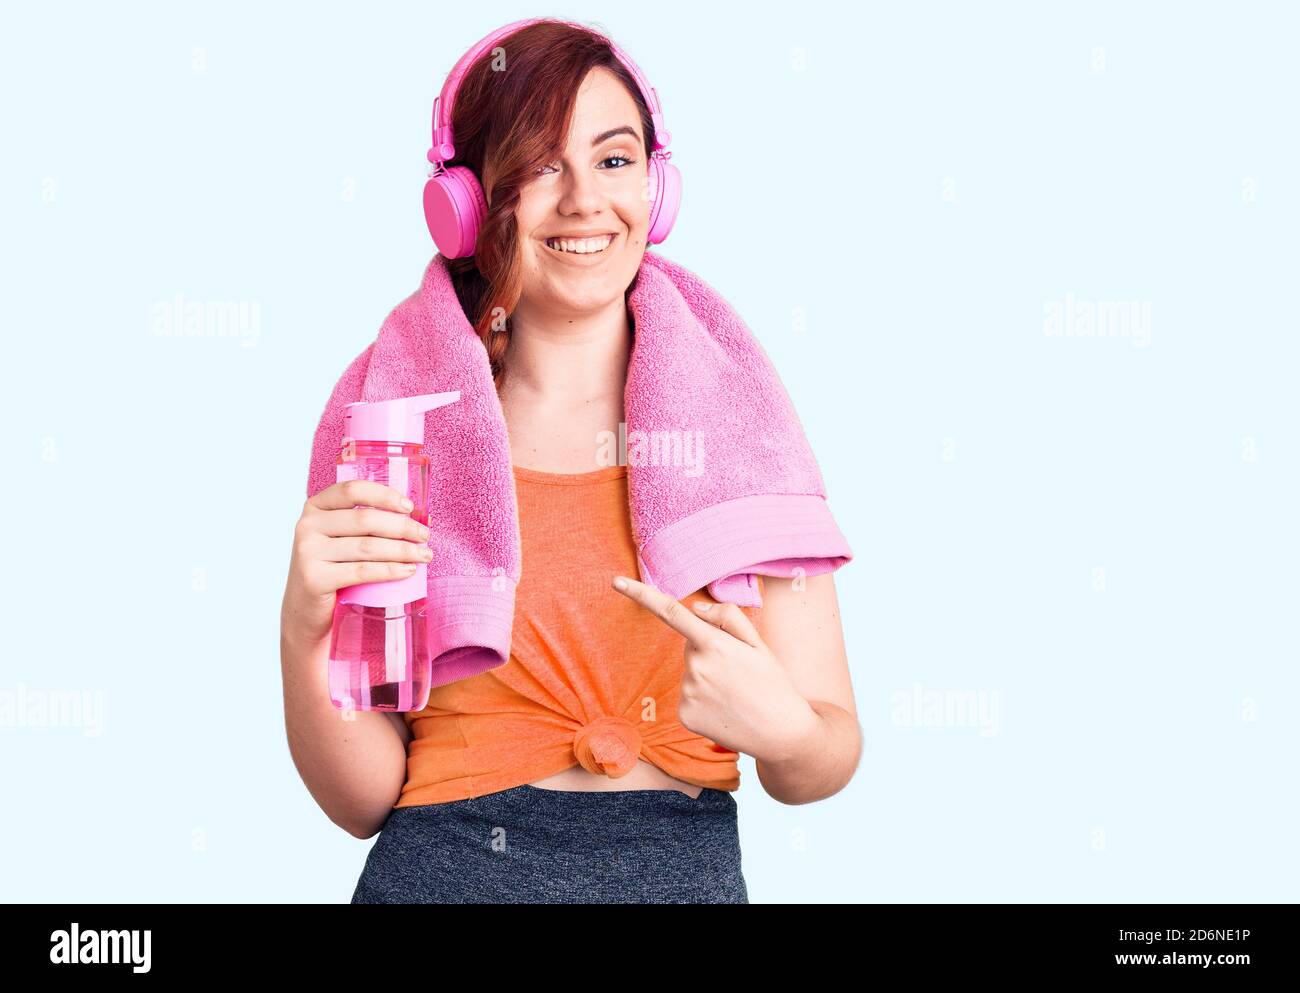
(510, 122)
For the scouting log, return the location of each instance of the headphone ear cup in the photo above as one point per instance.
(666, 181)
(454, 210)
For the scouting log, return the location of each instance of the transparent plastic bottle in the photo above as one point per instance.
(379, 653)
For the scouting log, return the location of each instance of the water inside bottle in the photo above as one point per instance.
(375, 657)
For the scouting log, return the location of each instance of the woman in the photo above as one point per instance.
(561, 140)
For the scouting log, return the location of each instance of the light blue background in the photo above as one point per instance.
(1096, 537)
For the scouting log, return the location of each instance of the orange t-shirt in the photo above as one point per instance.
(593, 678)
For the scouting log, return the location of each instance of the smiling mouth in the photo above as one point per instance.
(582, 246)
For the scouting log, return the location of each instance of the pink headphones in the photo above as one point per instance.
(454, 203)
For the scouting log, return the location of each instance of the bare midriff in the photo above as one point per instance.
(644, 776)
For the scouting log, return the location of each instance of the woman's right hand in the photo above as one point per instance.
(337, 543)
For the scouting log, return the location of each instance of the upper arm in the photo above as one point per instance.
(802, 628)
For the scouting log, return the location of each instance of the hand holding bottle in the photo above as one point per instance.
(338, 543)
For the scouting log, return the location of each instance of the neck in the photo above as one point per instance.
(569, 359)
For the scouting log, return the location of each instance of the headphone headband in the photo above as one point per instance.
(444, 146)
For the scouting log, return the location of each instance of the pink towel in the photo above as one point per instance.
(722, 483)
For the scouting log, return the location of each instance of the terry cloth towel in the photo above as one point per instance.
(722, 483)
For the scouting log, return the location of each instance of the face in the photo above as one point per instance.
(592, 192)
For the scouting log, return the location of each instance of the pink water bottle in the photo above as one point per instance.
(379, 652)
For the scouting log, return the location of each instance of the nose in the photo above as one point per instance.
(581, 193)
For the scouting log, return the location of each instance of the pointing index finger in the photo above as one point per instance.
(699, 633)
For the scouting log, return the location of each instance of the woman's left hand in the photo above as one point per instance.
(735, 691)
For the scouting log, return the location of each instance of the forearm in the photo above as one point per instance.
(353, 763)
(818, 759)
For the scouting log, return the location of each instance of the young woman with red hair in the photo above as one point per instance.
(561, 140)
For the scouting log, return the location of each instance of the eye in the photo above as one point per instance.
(610, 158)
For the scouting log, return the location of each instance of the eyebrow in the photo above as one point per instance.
(606, 135)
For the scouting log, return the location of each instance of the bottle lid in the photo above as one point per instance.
(392, 421)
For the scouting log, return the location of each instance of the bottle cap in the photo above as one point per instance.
(399, 420)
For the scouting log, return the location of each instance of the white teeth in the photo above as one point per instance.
(581, 246)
